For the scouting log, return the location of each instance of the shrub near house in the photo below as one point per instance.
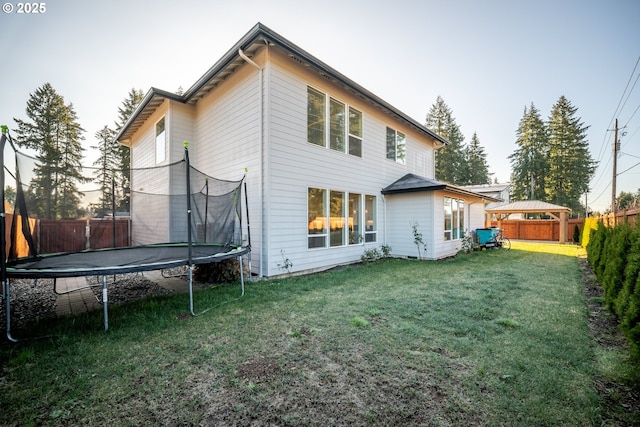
(614, 255)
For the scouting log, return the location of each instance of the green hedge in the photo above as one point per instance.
(614, 255)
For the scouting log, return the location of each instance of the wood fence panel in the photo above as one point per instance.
(101, 233)
(62, 235)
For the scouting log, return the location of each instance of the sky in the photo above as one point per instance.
(487, 59)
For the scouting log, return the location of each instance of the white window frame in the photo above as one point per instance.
(455, 229)
(366, 218)
(347, 136)
(161, 140)
(399, 145)
(318, 222)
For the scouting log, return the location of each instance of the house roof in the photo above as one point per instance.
(258, 38)
(411, 183)
(528, 206)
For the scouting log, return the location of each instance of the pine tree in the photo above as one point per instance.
(476, 161)
(134, 97)
(529, 162)
(570, 164)
(55, 135)
(450, 165)
(107, 164)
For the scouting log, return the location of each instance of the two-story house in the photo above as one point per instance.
(333, 169)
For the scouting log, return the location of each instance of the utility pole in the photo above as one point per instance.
(615, 171)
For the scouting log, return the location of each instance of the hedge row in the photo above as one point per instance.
(614, 255)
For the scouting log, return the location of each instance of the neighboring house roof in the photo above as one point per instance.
(257, 38)
(411, 183)
(528, 206)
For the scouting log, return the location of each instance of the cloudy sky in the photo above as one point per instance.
(487, 59)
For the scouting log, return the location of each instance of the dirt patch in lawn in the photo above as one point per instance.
(621, 402)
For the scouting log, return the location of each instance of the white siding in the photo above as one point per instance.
(226, 140)
(295, 165)
(405, 210)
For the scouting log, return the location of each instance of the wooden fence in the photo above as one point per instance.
(626, 215)
(72, 235)
(538, 229)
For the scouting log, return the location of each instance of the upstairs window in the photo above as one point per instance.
(396, 146)
(355, 132)
(161, 141)
(316, 111)
(342, 131)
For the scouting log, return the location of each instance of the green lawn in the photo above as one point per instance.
(495, 338)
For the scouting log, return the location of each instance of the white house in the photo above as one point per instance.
(325, 157)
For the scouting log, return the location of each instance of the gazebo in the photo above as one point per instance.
(557, 212)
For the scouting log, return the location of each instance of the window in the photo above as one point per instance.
(396, 146)
(315, 117)
(343, 131)
(355, 132)
(160, 141)
(337, 220)
(370, 234)
(317, 216)
(453, 219)
(336, 125)
(355, 214)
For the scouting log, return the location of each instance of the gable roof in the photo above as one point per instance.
(411, 183)
(258, 38)
(531, 206)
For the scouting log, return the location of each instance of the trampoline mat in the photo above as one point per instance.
(120, 260)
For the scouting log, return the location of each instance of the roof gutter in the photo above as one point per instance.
(262, 160)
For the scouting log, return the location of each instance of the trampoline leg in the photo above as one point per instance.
(104, 303)
(190, 280)
(6, 290)
(241, 276)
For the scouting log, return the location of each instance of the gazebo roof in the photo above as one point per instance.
(528, 206)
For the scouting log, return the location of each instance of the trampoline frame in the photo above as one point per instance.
(11, 269)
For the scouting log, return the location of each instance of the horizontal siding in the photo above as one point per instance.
(405, 210)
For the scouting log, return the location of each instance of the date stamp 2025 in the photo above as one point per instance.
(24, 8)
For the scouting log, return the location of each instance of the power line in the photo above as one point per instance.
(617, 108)
(620, 173)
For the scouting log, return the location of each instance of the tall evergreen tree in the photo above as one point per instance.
(107, 163)
(476, 162)
(529, 161)
(54, 134)
(449, 159)
(123, 178)
(570, 164)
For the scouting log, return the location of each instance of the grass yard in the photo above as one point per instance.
(492, 338)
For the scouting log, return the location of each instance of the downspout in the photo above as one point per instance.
(262, 225)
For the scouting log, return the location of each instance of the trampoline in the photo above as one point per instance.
(203, 226)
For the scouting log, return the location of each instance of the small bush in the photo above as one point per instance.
(374, 254)
(576, 234)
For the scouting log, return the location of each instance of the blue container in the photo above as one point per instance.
(485, 235)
